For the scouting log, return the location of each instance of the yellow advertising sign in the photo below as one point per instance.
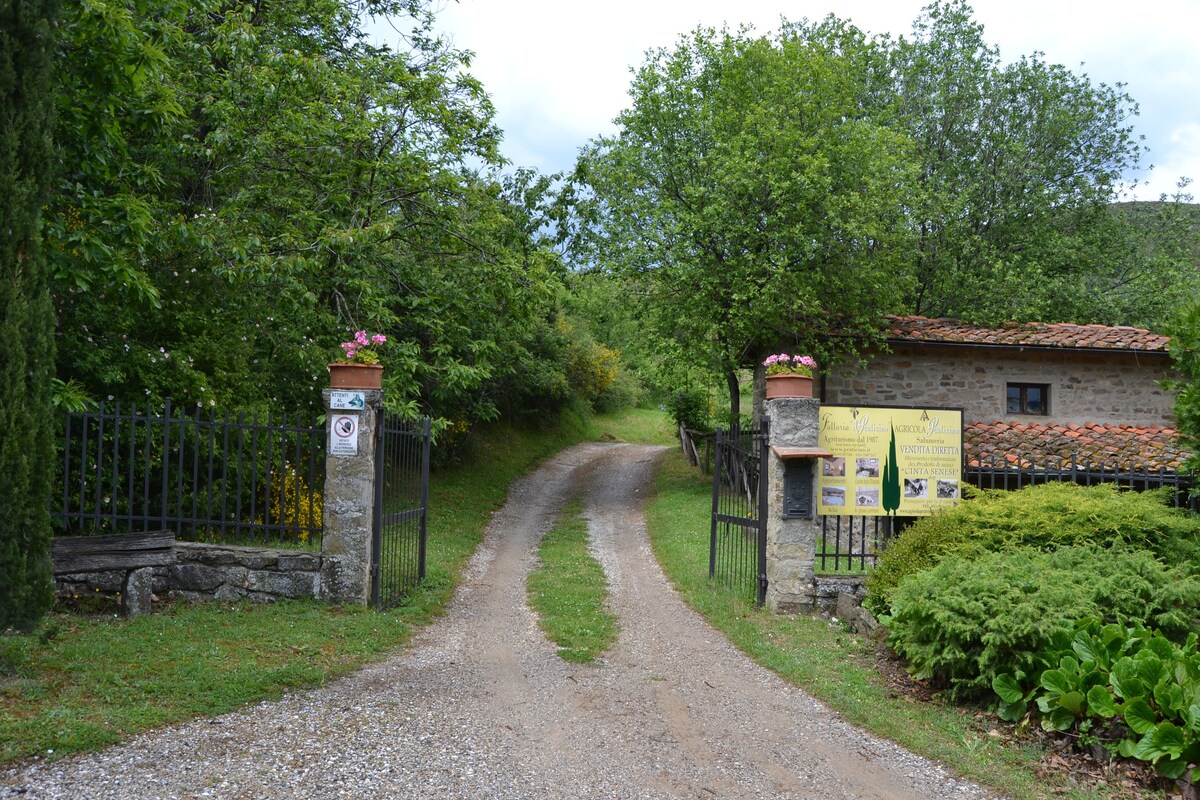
(901, 461)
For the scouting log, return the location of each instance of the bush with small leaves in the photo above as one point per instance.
(1045, 517)
(691, 408)
(969, 619)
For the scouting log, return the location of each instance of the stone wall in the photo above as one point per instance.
(218, 572)
(1121, 388)
(828, 589)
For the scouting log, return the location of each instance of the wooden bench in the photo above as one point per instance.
(133, 553)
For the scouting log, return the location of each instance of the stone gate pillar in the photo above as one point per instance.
(792, 524)
(349, 497)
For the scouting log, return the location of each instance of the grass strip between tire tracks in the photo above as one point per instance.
(568, 590)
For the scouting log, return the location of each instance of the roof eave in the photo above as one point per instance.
(1020, 347)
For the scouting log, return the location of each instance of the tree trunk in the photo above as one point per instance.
(735, 398)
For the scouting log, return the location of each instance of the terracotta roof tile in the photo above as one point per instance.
(1025, 334)
(1123, 446)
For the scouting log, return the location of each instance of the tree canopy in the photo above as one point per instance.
(791, 189)
(750, 198)
(244, 183)
(1020, 164)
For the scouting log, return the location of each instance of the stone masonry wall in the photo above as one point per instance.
(218, 572)
(1084, 387)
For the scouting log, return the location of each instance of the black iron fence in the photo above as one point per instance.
(206, 475)
(401, 508)
(1011, 472)
(851, 543)
(737, 553)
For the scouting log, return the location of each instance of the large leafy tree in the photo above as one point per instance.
(774, 189)
(26, 314)
(1185, 353)
(249, 181)
(749, 199)
(1020, 165)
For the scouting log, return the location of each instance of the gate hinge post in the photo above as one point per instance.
(350, 498)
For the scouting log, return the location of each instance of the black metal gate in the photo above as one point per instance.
(401, 508)
(737, 551)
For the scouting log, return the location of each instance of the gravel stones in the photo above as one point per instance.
(480, 706)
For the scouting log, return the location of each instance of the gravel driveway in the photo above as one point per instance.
(478, 705)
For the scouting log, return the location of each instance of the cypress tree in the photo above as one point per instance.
(26, 312)
(891, 478)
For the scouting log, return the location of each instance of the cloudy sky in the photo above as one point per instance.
(558, 70)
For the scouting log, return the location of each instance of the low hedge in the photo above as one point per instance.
(973, 617)
(1045, 517)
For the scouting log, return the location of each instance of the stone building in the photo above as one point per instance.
(1028, 390)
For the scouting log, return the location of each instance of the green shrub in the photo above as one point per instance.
(971, 618)
(626, 391)
(691, 409)
(1046, 517)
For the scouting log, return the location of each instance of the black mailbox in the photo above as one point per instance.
(798, 488)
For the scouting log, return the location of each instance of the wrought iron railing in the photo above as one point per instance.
(737, 538)
(401, 508)
(1013, 471)
(206, 475)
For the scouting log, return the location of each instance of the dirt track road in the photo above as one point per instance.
(480, 706)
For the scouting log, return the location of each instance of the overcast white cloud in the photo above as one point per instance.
(558, 70)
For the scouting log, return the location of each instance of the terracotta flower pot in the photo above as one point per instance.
(789, 385)
(355, 376)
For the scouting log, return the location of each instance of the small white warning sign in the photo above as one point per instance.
(347, 401)
(343, 435)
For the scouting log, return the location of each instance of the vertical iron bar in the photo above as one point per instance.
(131, 468)
(716, 506)
(196, 426)
(114, 505)
(297, 523)
(225, 475)
(239, 466)
(377, 517)
(182, 426)
(66, 503)
(99, 465)
(146, 471)
(266, 513)
(763, 462)
(212, 451)
(423, 547)
(166, 466)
